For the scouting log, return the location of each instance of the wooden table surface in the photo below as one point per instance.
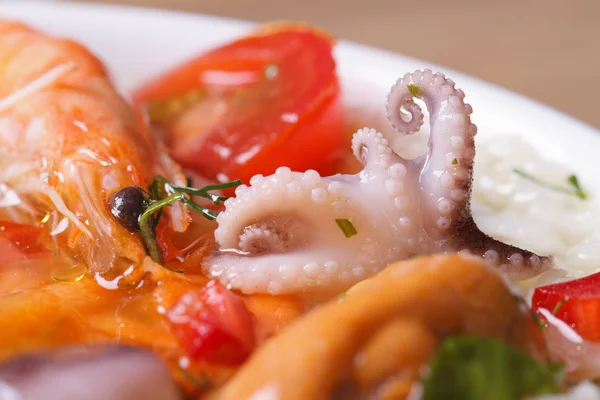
(546, 49)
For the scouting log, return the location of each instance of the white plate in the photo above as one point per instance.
(137, 43)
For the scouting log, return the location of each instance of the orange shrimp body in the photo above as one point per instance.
(67, 142)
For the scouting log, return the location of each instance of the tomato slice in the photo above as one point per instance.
(213, 325)
(264, 101)
(19, 242)
(575, 302)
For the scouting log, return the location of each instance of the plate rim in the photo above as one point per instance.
(497, 90)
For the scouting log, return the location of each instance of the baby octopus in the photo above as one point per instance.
(281, 233)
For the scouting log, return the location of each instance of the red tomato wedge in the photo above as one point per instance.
(213, 325)
(267, 100)
(19, 242)
(576, 302)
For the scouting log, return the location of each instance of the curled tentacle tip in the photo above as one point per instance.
(403, 114)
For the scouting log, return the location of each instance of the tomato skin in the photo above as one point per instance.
(19, 242)
(213, 325)
(580, 307)
(252, 123)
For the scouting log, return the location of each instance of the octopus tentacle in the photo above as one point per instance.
(446, 169)
(513, 261)
(282, 233)
(370, 147)
(269, 251)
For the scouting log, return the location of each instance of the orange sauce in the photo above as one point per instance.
(46, 302)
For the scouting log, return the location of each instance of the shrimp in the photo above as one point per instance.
(68, 141)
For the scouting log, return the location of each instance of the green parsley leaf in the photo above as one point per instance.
(346, 227)
(472, 368)
(455, 161)
(572, 179)
(414, 90)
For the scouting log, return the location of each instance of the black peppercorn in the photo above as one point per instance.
(127, 205)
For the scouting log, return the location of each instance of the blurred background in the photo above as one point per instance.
(546, 49)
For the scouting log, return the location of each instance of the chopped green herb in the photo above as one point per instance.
(537, 318)
(414, 90)
(201, 383)
(455, 161)
(158, 198)
(341, 295)
(571, 180)
(473, 368)
(558, 305)
(346, 227)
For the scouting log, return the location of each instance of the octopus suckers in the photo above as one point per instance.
(393, 186)
(240, 190)
(516, 259)
(446, 180)
(461, 173)
(447, 90)
(283, 174)
(443, 223)
(400, 202)
(335, 187)
(455, 101)
(457, 142)
(444, 206)
(491, 256)
(458, 195)
(401, 207)
(331, 268)
(404, 222)
(397, 171)
(289, 273)
(319, 195)
(294, 187)
(257, 180)
(311, 178)
(469, 154)
(312, 270)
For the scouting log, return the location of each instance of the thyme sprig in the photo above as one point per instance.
(162, 193)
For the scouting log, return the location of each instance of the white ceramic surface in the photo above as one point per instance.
(136, 43)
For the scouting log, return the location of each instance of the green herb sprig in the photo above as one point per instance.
(571, 180)
(163, 193)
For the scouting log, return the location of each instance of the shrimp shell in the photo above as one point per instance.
(68, 141)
